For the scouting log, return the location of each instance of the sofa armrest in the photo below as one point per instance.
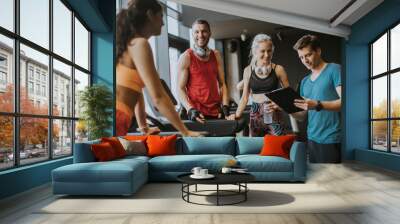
(298, 157)
(83, 152)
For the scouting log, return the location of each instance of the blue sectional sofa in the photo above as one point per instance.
(125, 176)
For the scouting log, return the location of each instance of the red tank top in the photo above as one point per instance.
(202, 86)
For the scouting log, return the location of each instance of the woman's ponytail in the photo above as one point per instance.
(132, 20)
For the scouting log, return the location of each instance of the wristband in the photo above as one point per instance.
(193, 114)
(225, 110)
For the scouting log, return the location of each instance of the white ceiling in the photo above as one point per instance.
(313, 15)
(319, 9)
(225, 26)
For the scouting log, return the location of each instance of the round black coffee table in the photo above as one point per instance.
(238, 179)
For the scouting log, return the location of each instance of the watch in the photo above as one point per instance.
(319, 106)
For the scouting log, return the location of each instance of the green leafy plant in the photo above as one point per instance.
(96, 103)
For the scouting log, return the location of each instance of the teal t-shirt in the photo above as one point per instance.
(323, 126)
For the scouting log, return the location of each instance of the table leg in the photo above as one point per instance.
(217, 194)
(245, 191)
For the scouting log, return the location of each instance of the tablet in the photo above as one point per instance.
(284, 98)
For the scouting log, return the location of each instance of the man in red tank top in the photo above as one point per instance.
(202, 88)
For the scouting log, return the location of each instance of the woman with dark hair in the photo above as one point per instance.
(135, 65)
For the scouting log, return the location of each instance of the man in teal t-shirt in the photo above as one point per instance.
(321, 90)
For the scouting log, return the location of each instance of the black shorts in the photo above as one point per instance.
(323, 153)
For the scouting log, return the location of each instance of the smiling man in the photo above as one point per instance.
(202, 88)
(321, 90)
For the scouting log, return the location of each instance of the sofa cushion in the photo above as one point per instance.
(103, 151)
(257, 163)
(161, 145)
(249, 145)
(83, 152)
(206, 145)
(185, 163)
(277, 145)
(128, 159)
(134, 147)
(112, 171)
(117, 146)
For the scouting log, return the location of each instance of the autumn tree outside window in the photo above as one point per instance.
(385, 92)
(44, 64)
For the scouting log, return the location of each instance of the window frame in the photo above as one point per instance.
(16, 115)
(388, 74)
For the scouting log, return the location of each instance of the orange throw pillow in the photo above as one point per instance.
(103, 151)
(161, 145)
(135, 137)
(116, 145)
(277, 145)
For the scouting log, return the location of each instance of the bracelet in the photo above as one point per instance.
(319, 106)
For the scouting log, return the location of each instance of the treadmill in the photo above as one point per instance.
(214, 127)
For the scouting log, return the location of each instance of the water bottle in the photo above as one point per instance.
(266, 114)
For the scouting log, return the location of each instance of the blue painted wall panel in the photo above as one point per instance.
(380, 159)
(25, 178)
(356, 90)
(99, 15)
(103, 61)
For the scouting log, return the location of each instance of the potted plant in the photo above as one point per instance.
(96, 103)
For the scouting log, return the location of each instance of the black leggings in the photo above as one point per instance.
(323, 153)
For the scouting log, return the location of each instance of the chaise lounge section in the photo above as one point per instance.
(125, 176)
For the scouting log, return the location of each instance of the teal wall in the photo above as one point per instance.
(24, 178)
(99, 16)
(356, 88)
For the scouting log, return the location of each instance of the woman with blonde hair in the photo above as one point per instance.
(259, 77)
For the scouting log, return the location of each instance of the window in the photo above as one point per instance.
(34, 21)
(3, 61)
(385, 95)
(81, 81)
(178, 42)
(30, 72)
(173, 14)
(30, 87)
(62, 140)
(43, 90)
(61, 74)
(173, 26)
(46, 129)
(37, 75)
(3, 72)
(81, 45)
(37, 89)
(43, 77)
(173, 67)
(3, 78)
(7, 14)
(62, 29)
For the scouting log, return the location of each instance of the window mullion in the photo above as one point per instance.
(50, 81)
(16, 84)
(73, 81)
(371, 89)
(389, 104)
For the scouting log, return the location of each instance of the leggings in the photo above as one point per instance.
(123, 122)
(257, 126)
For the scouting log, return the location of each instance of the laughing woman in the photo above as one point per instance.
(135, 65)
(260, 77)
